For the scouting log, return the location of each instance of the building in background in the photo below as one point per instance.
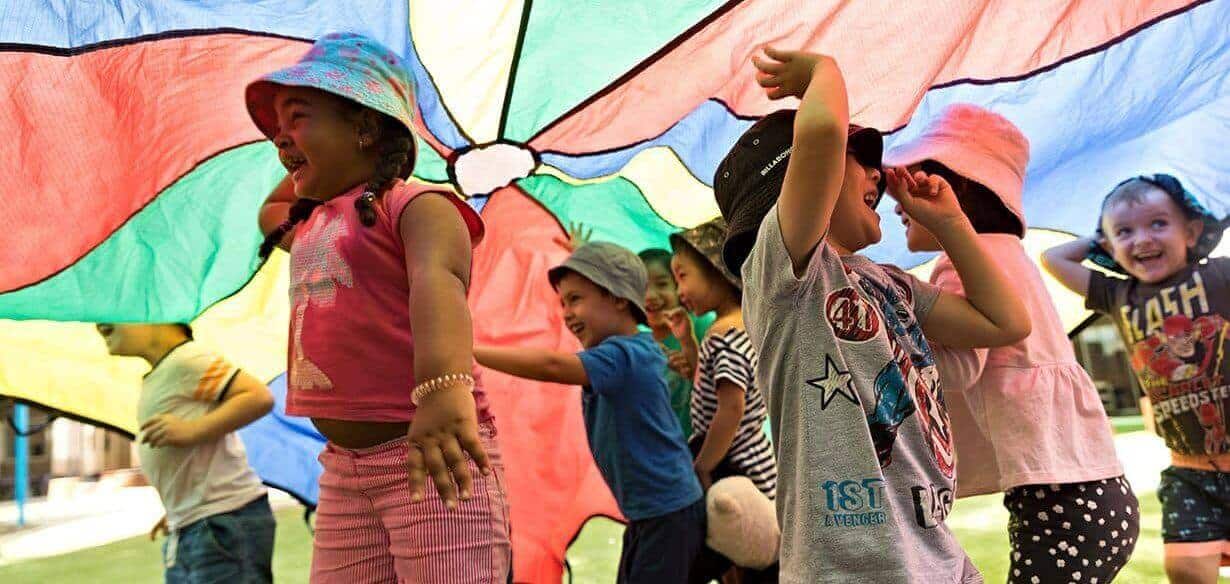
(62, 448)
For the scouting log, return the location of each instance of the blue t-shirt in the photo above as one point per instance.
(635, 438)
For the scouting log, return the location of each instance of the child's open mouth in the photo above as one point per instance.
(293, 164)
(1148, 258)
(871, 199)
(576, 328)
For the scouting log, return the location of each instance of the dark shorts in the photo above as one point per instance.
(663, 548)
(1195, 505)
(1074, 532)
(227, 548)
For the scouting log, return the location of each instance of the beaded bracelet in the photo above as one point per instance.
(435, 384)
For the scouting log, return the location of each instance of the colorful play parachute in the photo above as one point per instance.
(131, 174)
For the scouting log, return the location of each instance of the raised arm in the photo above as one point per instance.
(990, 314)
(1064, 263)
(816, 169)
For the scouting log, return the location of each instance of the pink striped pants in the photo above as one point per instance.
(368, 531)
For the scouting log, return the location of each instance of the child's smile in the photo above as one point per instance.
(1150, 238)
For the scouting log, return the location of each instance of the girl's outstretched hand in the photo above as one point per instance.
(578, 235)
(785, 73)
(443, 437)
(927, 198)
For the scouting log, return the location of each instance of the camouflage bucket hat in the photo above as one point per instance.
(707, 240)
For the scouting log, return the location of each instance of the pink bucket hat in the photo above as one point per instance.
(347, 65)
(977, 144)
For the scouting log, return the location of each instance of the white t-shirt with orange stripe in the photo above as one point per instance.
(206, 479)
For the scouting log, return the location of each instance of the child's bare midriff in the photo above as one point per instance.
(351, 434)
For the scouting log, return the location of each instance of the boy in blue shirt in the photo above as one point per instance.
(635, 439)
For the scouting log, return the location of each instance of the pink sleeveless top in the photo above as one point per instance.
(351, 351)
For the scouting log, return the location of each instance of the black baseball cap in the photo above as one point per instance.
(749, 180)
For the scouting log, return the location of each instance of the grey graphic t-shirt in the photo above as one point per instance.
(865, 457)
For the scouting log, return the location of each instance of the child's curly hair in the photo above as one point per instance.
(395, 146)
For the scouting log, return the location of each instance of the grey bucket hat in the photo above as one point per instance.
(612, 268)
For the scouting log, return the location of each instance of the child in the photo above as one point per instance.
(1026, 418)
(634, 437)
(728, 411)
(661, 304)
(218, 519)
(1172, 312)
(380, 334)
(863, 446)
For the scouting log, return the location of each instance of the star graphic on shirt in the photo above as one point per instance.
(833, 383)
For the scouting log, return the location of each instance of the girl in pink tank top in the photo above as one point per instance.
(1026, 418)
(381, 348)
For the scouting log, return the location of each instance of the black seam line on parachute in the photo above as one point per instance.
(61, 414)
(236, 292)
(451, 166)
(1084, 324)
(637, 68)
(652, 138)
(128, 219)
(188, 33)
(964, 81)
(516, 61)
(157, 36)
(634, 145)
(517, 185)
(672, 227)
(440, 95)
(1064, 61)
(74, 417)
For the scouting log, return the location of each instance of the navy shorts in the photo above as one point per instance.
(1195, 505)
(663, 548)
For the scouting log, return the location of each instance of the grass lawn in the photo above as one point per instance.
(979, 523)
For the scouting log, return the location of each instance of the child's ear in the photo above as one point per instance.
(1195, 228)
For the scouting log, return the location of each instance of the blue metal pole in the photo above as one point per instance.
(21, 460)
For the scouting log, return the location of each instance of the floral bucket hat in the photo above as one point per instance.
(348, 65)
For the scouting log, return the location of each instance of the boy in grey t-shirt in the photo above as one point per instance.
(866, 469)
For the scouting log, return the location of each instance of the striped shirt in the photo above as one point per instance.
(729, 356)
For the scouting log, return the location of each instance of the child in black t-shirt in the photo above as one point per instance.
(1172, 311)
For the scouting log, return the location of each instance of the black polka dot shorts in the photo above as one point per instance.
(1081, 533)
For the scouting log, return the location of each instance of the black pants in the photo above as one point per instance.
(1077, 532)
